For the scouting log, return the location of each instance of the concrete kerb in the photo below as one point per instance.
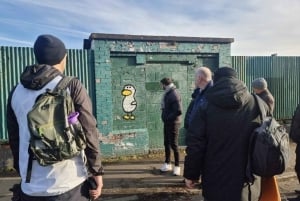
(142, 176)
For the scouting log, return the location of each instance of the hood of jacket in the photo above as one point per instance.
(228, 93)
(36, 77)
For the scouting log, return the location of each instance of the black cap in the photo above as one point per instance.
(49, 50)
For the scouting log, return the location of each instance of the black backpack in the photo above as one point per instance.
(268, 148)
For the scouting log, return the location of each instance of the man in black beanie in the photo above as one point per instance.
(64, 180)
(49, 50)
(218, 138)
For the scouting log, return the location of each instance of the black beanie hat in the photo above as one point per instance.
(49, 50)
(225, 72)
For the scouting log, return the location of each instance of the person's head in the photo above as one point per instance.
(165, 82)
(259, 85)
(202, 77)
(50, 50)
(224, 72)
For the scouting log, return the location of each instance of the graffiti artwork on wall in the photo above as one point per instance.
(129, 103)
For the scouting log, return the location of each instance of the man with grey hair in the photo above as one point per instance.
(203, 81)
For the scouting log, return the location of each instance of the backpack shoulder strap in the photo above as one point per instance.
(63, 83)
(262, 113)
(262, 110)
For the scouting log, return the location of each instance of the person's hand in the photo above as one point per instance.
(189, 183)
(94, 194)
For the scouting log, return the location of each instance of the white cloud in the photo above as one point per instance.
(15, 41)
(258, 27)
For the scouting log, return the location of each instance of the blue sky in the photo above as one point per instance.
(259, 27)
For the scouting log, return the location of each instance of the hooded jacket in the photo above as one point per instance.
(52, 179)
(172, 110)
(217, 142)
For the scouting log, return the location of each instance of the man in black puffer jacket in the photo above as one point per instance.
(171, 110)
(218, 138)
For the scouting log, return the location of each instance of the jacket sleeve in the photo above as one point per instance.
(83, 105)
(13, 132)
(196, 146)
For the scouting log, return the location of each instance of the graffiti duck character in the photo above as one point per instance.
(129, 103)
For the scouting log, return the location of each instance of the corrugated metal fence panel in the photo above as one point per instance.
(282, 75)
(13, 61)
(286, 85)
(79, 65)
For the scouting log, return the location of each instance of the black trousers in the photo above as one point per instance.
(171, 132)
(79, 193)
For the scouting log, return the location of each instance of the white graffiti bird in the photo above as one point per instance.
(129, 103)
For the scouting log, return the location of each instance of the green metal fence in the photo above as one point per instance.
(13, 61)
(282, 75)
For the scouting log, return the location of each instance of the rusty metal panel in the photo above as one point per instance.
(282, 74)
(13, 61)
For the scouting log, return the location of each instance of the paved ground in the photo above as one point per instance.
(141, 180)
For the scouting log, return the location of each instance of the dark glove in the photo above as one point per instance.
(16, 190)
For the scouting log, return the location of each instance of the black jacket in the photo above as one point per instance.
(36, 77)
(190, 107)
(217, 142)
(172, 107)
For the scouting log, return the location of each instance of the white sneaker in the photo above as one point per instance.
(166, 167)
(176, 171)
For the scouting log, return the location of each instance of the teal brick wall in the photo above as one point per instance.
(140, 65)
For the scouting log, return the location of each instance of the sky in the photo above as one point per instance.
(258, 27)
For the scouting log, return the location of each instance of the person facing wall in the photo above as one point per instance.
(171, 110)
